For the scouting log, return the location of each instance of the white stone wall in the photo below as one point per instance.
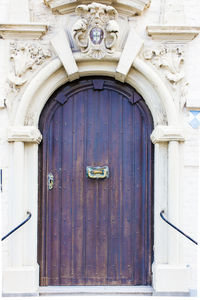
(190, 201)
(25, 11)
(192, 10)
(192, 147)
(191, 152)
(4, 148)
(4, 8)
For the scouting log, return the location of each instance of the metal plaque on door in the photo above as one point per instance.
(97, 172)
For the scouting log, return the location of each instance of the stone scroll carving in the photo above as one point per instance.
(97, 31)
(25, 57)
(170, 61)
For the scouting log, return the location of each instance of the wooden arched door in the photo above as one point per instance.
(95, 231)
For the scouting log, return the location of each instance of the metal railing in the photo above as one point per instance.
(169, 223)
(17, 227)
(161, 214)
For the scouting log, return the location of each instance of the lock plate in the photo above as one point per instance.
(97, 172)
(50, 181)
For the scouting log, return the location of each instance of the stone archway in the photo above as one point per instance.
(25, 135)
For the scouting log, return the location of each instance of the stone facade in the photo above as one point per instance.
(152, 45)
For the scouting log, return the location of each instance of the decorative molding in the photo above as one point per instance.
(29, 134)
(170, 60)
(129, 8)
(22, 31)
(97, 31)
(168, 110)
(24, 56)
(52, 76)
(173, 32)
(166, 134)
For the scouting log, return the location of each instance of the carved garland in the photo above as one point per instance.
(171, 61)
(24, 57)
(97, 30)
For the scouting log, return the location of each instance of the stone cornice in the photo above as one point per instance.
(173, 32)
(163, 134)
(28, 134)
(130, 7)
(22, 31)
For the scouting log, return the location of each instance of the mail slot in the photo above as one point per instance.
(97, 172)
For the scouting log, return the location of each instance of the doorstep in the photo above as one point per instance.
(97, 290)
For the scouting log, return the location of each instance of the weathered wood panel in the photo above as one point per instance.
(96, 232)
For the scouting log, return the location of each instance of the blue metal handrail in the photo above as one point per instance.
(28, 218)
(187, 236)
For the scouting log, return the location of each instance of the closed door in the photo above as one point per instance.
(95, 231)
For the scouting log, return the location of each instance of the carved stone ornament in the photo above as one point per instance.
(126, 8)
(28, 134)
(97, 31)
(24, 57)
(170, 60)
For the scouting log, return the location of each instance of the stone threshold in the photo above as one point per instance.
(96, 290)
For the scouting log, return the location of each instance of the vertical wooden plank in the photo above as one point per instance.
(49, 199)
(109, 206)
(102, 212)
(55, 197)
(78, 174)
(127, 196)
(66, 222)
(91, 188)
(138, 217)
(147, 193)
(85, 99)
(144, 198)
(73, 145)
(115, 157)
(42, 210)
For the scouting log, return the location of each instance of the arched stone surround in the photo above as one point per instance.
(156, 94)
(168, 274)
